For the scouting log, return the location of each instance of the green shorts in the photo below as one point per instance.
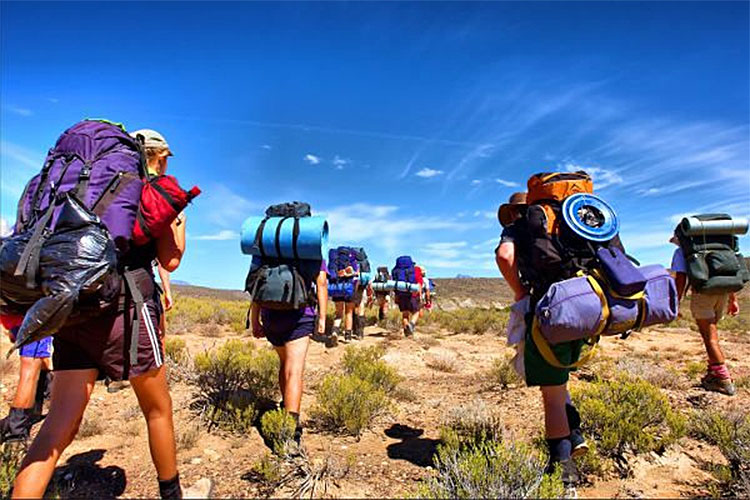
(541, 373)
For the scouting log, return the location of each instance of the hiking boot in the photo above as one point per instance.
(381, 315)
(409, 329)
(16, 426)
(298, 435)
(721, 385)
(332, 340)
(347, 335)
(114, 386)
(580, 446)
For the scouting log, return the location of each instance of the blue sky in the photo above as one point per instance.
(405, 123)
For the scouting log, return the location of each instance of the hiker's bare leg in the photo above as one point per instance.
(349, 324)
(415, 316)
(292, 356)
(710, 335)
(405, 318)
(70, 395)
(555, 418)
(339, 314)
(27, 380)
(152, 392)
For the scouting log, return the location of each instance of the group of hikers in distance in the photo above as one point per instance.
(78, 286)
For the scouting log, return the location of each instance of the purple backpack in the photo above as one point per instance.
(343, 262)
(405, 271)
(102, 165)
(75, 220)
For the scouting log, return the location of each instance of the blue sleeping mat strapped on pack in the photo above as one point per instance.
(364, 278)
(395, 286)
(311, 244)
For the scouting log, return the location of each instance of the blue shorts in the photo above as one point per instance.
(40, 349)
(282, 327)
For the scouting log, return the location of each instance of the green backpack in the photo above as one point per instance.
(714, 262)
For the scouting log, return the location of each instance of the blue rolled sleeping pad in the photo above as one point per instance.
(311, 243)
(342, 290)
(395, 286)
(365, 278)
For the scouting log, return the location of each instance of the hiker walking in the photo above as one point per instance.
(710, 297)
(561, 419)
(346, 291)
(123, 341)
(34, 379)
(408, 291)
(382, 297)
(289, 301)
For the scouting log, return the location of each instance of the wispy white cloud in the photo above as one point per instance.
(445, 250)
(223, 235)
(505, 183)
(602, 177)
(340, 162)
(224, 208)
(21, 155)
(267, 147)
(476, 182)
(312, 159)
(5, 228)
(17, 110)
(53, 100)
(428, 172)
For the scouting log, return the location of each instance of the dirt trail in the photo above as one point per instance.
(111, 456)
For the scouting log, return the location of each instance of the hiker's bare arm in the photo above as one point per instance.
(165, 284)
(171, 246)
(733, 307)
(680, 280)
(506, 262)
(322, 287)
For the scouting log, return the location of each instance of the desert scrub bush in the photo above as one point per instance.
(348, 404)
(730, 432)
(188, 438)
(658, 375)
(175, 350)
(477, 321)
(232, 380)
(189, 311)
(277, 428)
(367, 364)
(490, 469)
(90, 426)
(442, 363)
(627, 414)
(502, 372)
(694, 368)
(11, 455)
(471, 424)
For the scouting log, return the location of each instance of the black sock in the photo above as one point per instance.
(170, 488)
(574, 418)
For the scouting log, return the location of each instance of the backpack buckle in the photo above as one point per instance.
(85, 173)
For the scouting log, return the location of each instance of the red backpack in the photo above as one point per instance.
(162, 200)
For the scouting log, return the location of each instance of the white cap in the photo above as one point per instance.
(151, 139)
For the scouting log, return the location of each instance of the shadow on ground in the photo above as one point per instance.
(82, 477)
(412, 448)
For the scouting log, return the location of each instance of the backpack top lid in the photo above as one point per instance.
(296, 209)
(557, 186)
(342, 262)
(405, 261)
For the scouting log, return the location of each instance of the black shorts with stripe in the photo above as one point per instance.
(103, 342)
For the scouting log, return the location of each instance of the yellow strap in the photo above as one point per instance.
(605, 305)
(546, 351)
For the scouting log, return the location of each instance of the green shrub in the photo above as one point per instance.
(268, 470)
(730, 431)
(232, 380)
(476, 321)
(695, 368)
(348, 404)
(471, 424)
(502, 372)
(190, 311)
(627, 414)
(278, 427)
(175, 350)
(366, 364)
(491, 469)
(11, 455)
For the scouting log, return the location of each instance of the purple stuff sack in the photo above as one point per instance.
(621, 274)
(572, 310)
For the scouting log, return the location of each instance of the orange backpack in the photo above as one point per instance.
(554, 187)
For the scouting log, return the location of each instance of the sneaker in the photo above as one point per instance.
(721, 385)
(409, 329)
(117, 385)
(201, 489)
(347, 336)
(579, 444)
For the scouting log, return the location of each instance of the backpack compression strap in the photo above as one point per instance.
(259, 236)
(141, 312)
(546, 351)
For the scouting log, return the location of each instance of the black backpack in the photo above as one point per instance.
(364, 262)
(382, 275)
(714, 262)
(283, 283)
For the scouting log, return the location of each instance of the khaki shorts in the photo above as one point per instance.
(708, 307)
